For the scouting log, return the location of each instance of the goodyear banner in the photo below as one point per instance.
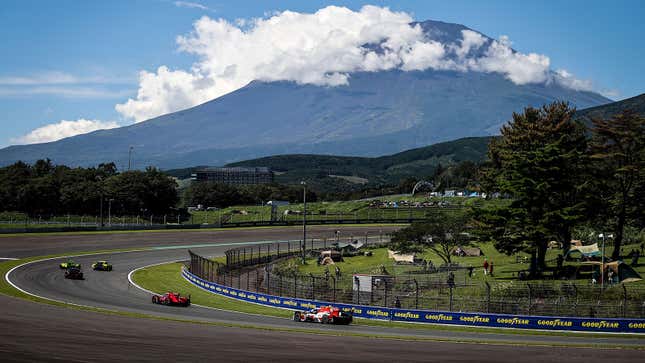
(436, 317)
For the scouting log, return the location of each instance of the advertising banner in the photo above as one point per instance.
(426, 316)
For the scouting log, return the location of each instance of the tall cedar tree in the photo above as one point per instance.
(540, 162)
(618, 149)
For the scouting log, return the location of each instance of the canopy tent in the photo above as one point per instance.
(467, 251)
(400, 258)
(587, 252)
(624, 272)
(354, 245)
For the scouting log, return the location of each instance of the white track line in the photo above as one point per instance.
(8, 258)
(198, 305)
(6, 276)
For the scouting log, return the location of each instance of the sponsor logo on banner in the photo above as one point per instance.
(500, 320)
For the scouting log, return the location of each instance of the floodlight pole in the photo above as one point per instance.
(304, 220)
(110, 211)
(602, 268)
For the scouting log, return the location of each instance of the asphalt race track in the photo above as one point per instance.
(39, 332)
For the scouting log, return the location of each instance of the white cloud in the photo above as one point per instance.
(63, 129)
(518, 67)
(612, 94)
(568, 80)
(60, 78)
(471, 40)
(190, 4)
(322, 48)
(65, 91)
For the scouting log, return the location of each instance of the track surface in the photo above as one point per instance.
(46, 332)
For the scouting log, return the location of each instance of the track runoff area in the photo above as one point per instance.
(227, 334)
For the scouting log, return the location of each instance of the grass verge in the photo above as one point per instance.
(167, 277)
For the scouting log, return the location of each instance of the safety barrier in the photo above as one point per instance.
(426, 316)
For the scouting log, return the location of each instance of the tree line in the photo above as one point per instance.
(559, 174)
(46, 189)
(210, 194)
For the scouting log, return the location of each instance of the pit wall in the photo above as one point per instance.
(426, 316)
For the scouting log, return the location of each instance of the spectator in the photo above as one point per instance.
(491, 268)
(485, 266)
(610, 276)
(397, 303)
(470, 271)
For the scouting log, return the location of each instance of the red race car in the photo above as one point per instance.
(325, 315)
(171, 298)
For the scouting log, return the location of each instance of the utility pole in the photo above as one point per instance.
(304, 219)
(602, 269)
(110, 211)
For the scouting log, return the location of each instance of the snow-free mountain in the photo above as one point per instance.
(377, 113)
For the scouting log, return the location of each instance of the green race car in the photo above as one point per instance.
(69, 264)
(101, 266)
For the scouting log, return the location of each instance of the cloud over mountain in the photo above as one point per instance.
(63, 129)
(322, 48)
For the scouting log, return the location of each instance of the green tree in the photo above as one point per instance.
(540, 161)
(441, 234)
(618, 149)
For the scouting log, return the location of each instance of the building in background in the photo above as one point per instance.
(235, 175)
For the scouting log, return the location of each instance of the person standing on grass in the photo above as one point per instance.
(485, 266)
(490, 266)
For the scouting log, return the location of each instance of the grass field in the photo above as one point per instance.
(325, 211)
(347, 210)
(168, 277)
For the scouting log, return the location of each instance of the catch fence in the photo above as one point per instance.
(265, 269)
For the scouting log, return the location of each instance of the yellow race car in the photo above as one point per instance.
(101, 266)
(69, 264)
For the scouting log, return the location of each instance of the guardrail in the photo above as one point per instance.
(428, 316)
(144, 227)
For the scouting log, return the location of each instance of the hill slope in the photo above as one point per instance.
(377, 113)
(636, 104)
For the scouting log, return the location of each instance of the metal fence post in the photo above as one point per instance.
(333, 289)
(257, 279)
(295, 285)
(450, 297)
(385, 292)
(313, 283)
(529, 307)
(487, 297)
(624, 300)
(416, 295)
(358, 290)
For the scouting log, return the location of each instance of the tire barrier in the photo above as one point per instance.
(426, 316)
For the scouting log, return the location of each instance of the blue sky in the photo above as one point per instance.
(71, 60)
